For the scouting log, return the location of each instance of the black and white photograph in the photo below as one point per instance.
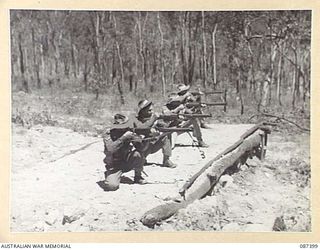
(160, 121)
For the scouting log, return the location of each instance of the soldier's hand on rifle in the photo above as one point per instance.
(153, 132)
(129, 135)
(156, 115)
(180, 108)
(187, 95)
(188, 111)
(137, 138)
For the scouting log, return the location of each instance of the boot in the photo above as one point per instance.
(140, 180)
(202, 144)
(203, 125)
(167, 163)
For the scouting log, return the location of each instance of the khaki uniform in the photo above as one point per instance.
(120, 157)
(152, 147)
(171, 107)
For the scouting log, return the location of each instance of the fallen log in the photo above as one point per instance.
(250, 144)
(211, 175)
(262, 126)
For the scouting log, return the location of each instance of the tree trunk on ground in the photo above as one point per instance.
(204, 183)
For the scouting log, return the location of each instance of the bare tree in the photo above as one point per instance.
(121, 81)
(161, 55)
(204, 54)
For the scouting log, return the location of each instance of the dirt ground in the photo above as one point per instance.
(50, 193)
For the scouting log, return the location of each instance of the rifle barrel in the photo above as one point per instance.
(215, 103)
(174, 116)
(175, 129)
(214, 92)
(197, 104)
(207, 92)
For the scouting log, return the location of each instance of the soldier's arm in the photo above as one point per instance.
(113, 146)
(145, 125)
(190, 97)
(177, 110)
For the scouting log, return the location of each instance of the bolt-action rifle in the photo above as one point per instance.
(175, 116)
(195, 93)
(115, 133)
(201, 104)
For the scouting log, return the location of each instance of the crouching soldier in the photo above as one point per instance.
(120, 155)
(148, 119)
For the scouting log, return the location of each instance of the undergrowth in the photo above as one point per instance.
(82, 112)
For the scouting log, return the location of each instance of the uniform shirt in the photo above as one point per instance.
(116, 146)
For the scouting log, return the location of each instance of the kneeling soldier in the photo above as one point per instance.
(120, 155)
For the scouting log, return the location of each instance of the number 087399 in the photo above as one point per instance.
(314, 246)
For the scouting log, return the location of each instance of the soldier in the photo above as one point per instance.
(120, 155)
(198, 110)
(176, 105)
(148, 119)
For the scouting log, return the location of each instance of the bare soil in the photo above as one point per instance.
(52, 190)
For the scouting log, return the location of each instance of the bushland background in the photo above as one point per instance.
(76, 68)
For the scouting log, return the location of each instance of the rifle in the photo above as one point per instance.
(173, 129)
(165, 132)
(118, 132)
(195, 93)
(199, 104)
(175, 116)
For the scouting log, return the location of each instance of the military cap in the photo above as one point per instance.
(143, 104)
(183, 88)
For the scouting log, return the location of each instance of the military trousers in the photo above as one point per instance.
(196, 128)
(133, 161)
(162, 143)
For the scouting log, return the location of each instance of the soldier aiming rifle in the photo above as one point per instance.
(126, 147)
(120, 154)
(186, 117)
(148, 119)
